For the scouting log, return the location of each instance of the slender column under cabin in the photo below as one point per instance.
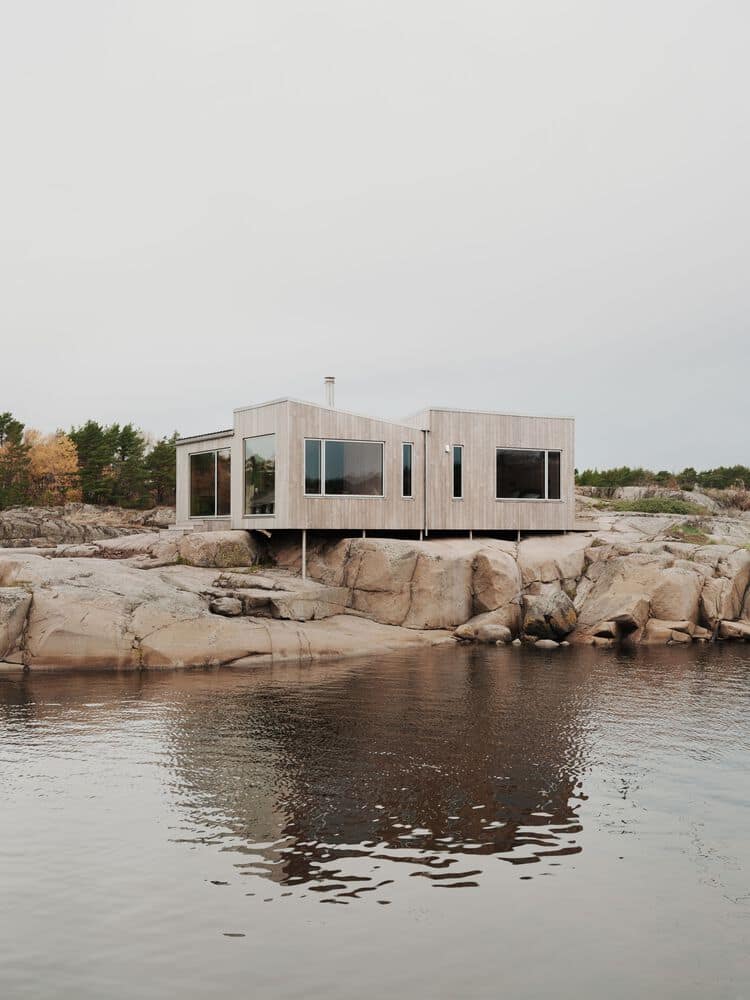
(304, 554)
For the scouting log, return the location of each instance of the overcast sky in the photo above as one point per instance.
(538, 207)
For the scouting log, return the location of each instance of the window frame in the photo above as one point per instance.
(546, 498)
(251, 437)
(460, 447)
(341, 496)
(215, 453)
(410, 446)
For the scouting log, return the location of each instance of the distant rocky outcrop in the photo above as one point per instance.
(21, 527)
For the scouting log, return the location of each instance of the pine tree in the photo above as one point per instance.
(14, 463)
(160, 466)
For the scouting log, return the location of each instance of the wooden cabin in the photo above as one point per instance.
(287, 464)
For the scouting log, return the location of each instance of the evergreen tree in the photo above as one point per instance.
(15, 477)
(160, 467)
(95, 445)
(129, 471)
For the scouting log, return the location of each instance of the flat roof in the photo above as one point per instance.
(205, 437)
(493, 413)
(318, 406)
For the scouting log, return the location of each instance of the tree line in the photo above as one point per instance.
(732, 477)
(94, 463)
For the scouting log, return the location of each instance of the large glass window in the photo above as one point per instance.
(353, 468)
(458, 471)
(313, 479)
(210, 483)
(527, 475)
(343, 468)
(260, 474)
(407, 466)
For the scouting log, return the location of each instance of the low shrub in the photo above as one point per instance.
(658, 505)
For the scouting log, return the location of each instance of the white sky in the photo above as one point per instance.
(527, 206)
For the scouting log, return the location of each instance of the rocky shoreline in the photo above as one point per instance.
(161, 599)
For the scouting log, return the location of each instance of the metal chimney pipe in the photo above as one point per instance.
(329, 383)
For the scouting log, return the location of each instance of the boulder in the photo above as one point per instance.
(230, 607)
(496, 581)
(723, 595)
(620, 591)
(677, 594)
(734, 630)
(659, 632)
(550, 616)
(222, 549)
(419, 585)
(503, 618)
(14, 608)
(546, 644)
(494, 633)
(554, 561)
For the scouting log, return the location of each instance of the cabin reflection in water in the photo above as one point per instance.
(439, 760)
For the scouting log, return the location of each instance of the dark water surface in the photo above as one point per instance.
(453, 823)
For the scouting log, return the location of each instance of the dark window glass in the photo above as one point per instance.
(203, 484)
(260, 474)
(406, 469)
(458, 478)
(520, 475)
(354, 468)
(223, 481)
(312, 467)
(553, 475)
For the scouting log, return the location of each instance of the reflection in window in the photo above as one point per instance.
(223, 481)
(210, 476)
(458, 472)
(407, 464)
(203, 484)
(553, 475)
(353, 468)
(260, 474)
(527, 475)
(313, 478)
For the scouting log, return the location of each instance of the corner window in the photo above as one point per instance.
(210, 483)
(260, 474)
(407, 468)
(458, 471)
(343, 468)
(527, 475)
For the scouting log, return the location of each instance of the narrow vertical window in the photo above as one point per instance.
(553, 475)
(260, 474)
(458, 473)
(223, 481)
(313, 477)
(407, 465)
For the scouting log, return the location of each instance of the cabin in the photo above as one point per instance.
(291, 465)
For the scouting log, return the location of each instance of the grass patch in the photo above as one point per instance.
(658, 505)
(690, 531)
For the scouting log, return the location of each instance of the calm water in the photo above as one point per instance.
(459, 823)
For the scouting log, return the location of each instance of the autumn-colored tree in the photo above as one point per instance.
(53, 468)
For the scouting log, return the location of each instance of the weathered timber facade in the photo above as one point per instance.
(287, 464)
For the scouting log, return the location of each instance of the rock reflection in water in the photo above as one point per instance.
(352, 780)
